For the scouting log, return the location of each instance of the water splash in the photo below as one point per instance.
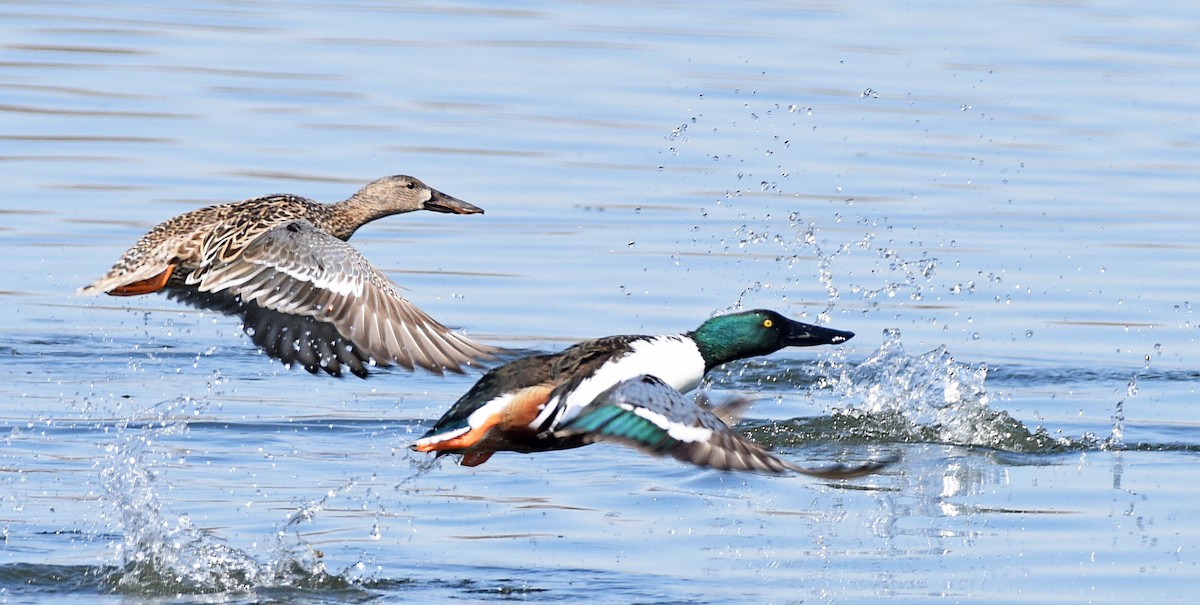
(161, 554)
(1116, 437)
(930, 398)
(421, 465)
(890, 274)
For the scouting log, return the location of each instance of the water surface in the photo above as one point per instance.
(997, 198)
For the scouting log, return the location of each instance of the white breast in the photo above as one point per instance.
(673, 359)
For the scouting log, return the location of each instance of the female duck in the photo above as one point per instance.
(281, 263)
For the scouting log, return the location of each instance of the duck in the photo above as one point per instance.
(628, 389)
(305, 296)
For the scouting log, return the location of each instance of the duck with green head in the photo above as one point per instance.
(625, 389)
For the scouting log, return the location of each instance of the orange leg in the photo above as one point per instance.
(475, 458)
(145, 286)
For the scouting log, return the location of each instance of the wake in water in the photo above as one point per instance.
(931, 398)
(895, 397)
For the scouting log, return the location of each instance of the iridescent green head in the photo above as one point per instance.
(759, 332)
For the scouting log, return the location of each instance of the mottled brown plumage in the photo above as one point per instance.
(305, 296)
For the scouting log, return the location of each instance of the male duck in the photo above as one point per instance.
(624, 388)
(305, 296)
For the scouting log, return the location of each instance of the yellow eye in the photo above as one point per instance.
(768, 323)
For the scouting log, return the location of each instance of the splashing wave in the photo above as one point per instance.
(161, 555)
(928, 398)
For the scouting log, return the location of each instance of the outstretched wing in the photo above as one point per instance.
(310, 298)
(648, 414)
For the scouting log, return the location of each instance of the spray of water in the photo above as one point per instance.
(164, 554)
(1116, 437)
(892, 395)
(929, 398)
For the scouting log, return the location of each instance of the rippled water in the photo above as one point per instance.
(997, 197)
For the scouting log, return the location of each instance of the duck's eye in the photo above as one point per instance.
(768, 323)
(411, 185)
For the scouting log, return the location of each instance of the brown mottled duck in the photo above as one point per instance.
(305, 296)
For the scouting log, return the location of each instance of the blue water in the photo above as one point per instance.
(998, 198)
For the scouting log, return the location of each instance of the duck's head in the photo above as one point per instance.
(401, 193)
(760, 332)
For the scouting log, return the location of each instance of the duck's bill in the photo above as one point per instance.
(440, 202)
(808, 335)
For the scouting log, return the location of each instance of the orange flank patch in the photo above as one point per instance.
(516, 416)
(525, 407)
(145, 286)
(475, 458)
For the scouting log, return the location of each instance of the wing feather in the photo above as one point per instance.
(650, 415)
(296, 285)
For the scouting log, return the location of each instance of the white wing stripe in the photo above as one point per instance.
(298, 270)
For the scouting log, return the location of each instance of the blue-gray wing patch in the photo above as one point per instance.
(650, 415)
